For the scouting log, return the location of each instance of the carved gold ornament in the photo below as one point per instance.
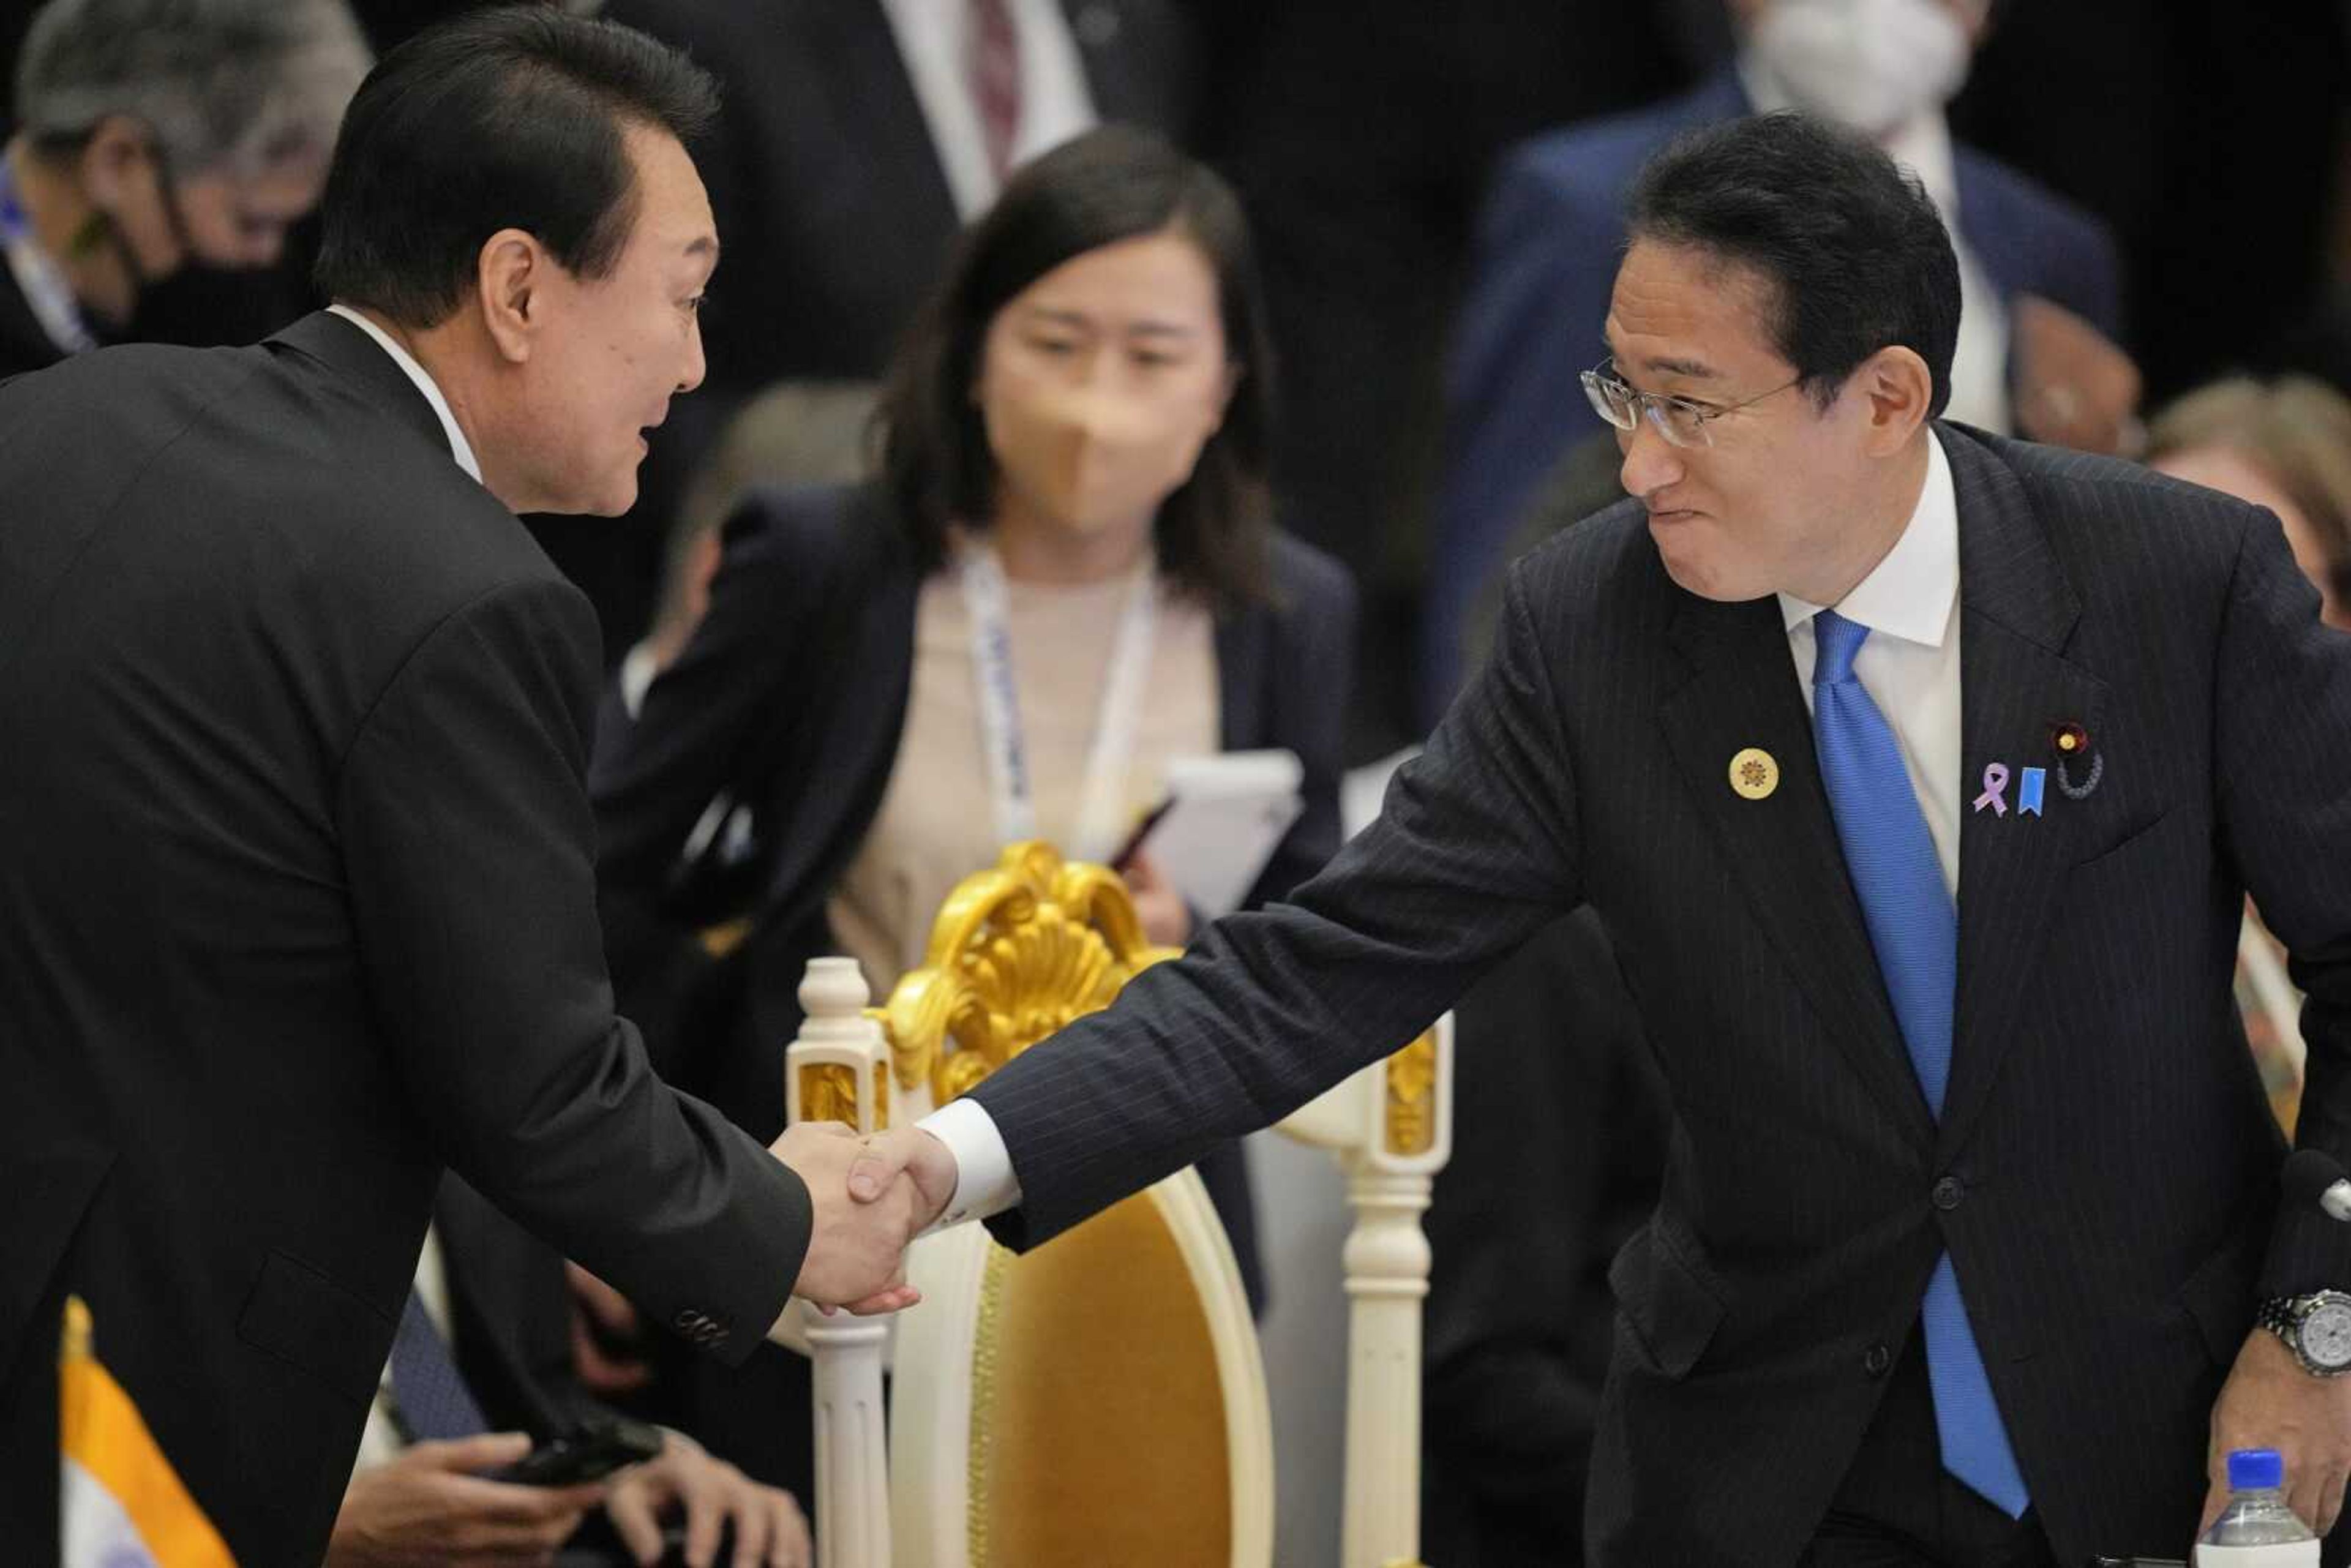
(1017, 952)
(1412, 1097)
(829, 1093)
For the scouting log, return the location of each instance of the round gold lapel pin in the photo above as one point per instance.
(1754, 774)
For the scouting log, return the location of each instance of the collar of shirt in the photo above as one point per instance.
(1909, 593)
(638, 669)
(459, 448)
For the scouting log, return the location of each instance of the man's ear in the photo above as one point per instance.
(1897, 390)
(510, 278)
(118, 152)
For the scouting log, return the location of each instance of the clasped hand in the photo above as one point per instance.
(871, 1197)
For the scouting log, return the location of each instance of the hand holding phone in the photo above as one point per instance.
(588, 1453)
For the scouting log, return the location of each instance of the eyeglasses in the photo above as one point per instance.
(1681, 421)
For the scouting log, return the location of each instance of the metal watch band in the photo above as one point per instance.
(2282, 1315)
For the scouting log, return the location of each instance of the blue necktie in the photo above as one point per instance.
(427, 1389)
(1915, 933)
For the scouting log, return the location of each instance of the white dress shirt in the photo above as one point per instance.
(1909, 665)
(459, 448)
(933, 39)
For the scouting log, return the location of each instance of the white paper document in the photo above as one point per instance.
(1228, 812)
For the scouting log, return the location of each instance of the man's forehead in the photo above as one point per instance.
(1681, 310)
(673, 208)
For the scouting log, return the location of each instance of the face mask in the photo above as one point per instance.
(197, 304)
(1088, 460)
(203, 306)
(1870, 65)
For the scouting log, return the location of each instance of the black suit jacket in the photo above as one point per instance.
(299, 904)
(2104, 1174)
(835, 213)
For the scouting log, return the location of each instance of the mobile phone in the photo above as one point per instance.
(1127, 851)
(586, 1454)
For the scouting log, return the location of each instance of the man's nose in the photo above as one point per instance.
(696, 366)
(1651, 462)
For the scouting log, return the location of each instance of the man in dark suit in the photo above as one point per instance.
(1553, 231)
(299, 899)
(1971, 1192)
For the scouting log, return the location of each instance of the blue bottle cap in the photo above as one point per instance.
(2252, 1469)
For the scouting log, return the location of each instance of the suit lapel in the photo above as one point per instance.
(1784, 848)
(1240, 652)
(2017, 612)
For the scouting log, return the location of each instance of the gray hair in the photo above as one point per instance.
(238, 86)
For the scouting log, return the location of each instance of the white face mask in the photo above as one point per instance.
(1871, 65)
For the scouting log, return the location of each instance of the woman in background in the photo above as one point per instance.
(1066, 557)
(2284, 445)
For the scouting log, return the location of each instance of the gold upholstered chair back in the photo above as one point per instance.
(1097, 1400)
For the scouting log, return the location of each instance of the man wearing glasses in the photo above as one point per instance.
(1919, 776)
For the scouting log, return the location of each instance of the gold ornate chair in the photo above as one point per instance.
(1101, 1399)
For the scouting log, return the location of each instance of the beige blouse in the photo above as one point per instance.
(937, 824)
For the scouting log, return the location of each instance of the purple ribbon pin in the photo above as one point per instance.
(1995, 780)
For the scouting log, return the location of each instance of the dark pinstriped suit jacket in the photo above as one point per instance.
(2105, 1172)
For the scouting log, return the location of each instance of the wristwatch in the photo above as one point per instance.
(2315, 1327)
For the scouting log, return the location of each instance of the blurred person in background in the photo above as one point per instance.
(2038, 277)
(1361, 135)
(2284, 445)
(163, 149)
(1074, 452)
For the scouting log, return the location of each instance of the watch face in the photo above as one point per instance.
(2326, 1333)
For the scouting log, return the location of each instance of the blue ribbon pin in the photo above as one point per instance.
(2028, 791)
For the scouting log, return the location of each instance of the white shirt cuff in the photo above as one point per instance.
(985, 1185)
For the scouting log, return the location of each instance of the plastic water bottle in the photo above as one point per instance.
(2257, 1529)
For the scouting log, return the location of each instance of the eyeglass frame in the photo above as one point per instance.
(1656, 404)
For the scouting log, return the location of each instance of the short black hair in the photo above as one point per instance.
(1116, 183)
(507, 118)
(1852, 248)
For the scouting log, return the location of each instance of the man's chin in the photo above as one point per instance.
(614, 502)
(1692, 575)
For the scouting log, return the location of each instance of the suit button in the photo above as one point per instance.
(1876, 1359)
(1949, 1193)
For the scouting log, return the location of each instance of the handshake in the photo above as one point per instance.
(869, 1196)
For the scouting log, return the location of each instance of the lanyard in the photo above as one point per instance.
(1100, 811)
(38, 278)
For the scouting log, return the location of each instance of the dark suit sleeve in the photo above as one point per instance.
(2283, 741)
(468, 851)
(1476, 847)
